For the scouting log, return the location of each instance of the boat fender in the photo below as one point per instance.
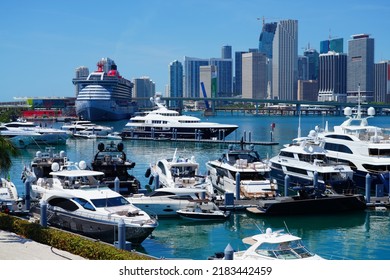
(101, 147)
(151, 180)
(147, 173)
(120, 147)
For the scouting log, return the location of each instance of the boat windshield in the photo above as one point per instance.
(286, 250)
(110, 202)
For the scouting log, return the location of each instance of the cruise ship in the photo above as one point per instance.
(104, 95)
(165, 123)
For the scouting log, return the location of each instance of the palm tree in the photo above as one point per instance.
(7, 151)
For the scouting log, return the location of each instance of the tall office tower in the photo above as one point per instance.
(254, 75)
(192, 77)
(332, 78)
(360, 68)
(382, 82)
(307, 90)
(333, 45)
(238, 73)
(82, 72)
(209, 78)
(285, 60)
(176, 82)
(226, 52)
(225, 76)
(313, 58)
(146, 88)
(266, 38)
(303, 67)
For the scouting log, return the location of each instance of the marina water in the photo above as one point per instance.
(353, 236)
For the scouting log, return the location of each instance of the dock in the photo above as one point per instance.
(208, 141)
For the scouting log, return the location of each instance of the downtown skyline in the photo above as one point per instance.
(45, 42)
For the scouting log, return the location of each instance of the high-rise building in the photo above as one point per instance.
(238, 73)
(333, 45)
(307, 90)
(226, 52)
(192, 75)
(176, 82)
(303, 67)
(144, 87)
(285, 60)
(209, 78)
(312, 63)
(360, 68)
(382, 82)
(225, 75)
(332, 78)
(82, 72)
(266, 38)
(254, 75)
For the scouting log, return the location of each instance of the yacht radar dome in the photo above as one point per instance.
(347, 111)
(371, 111)
(82, 165)
(55, 166)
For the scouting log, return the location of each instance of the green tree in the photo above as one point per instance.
(7, 151)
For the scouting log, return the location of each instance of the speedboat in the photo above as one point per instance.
(165, 202)
(305, 162)
(77, 202)
(254, 177)
(364, 147)
(203, 210)
(164, 123)
(112, 160)
(275, 245)
(179, 172)
(47, 135)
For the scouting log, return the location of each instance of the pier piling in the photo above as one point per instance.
(43, 220)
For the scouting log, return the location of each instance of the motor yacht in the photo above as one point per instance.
(253, 172)
(165, 123)
(20, 138)
(203, 211)
(77, 202)
(365, 148)
(179, 172)
(47, 135)
(305, 162)
(275, 245)
(87, 129)
(10, 202)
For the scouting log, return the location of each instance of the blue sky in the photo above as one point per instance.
(42, 41)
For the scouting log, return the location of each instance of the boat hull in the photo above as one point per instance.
(323, 205)
(104, 110)
(107, 231)
(203, 216)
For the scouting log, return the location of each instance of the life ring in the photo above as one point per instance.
(20, 205)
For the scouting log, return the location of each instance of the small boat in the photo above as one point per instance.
(275, 245)
(203, 210)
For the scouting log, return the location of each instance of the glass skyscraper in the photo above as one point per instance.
(175, 81)
(285, 60)
(266, 38)
(334, 45)
(360, 68)
(192, 75)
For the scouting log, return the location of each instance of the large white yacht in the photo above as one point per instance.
(47, 135)
(365, 148)
(164, 123)
(77, 202)
(20, 138)
(254, 174)
(303, 160)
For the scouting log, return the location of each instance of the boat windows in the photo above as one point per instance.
(286, 154)
(379, 152)
(376, 168)
(342, 137)
(63, 203)
(110, 202)
(337, 148)
(84, 203)
(162, 167)
(296, 170)
(285, 250)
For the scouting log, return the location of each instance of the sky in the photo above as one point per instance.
(42, 42)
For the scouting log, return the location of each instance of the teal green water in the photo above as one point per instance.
(363, 236)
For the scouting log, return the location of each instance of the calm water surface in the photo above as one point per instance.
(364, 235)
